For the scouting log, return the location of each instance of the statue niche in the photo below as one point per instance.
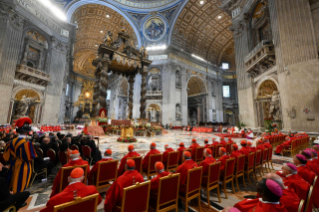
(275, 107)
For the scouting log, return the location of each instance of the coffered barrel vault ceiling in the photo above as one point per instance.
(203, 29)
(93, 22)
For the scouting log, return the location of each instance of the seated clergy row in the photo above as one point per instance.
(129, 177)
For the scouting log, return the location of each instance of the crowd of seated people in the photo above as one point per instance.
(276, 192)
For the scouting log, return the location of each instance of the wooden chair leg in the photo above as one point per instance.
(199, 204)
(186, 205)
(225, 190)
(237, 183)
(244, 179)
(232, 185)
(249, 177)
(207, 196)
(218, 194)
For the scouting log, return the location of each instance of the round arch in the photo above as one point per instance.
(71, 8)
(261, 82)
(196, 85)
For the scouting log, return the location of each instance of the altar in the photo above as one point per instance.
(127, 131)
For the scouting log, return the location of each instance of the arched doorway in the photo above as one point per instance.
(197, 94)
(154, 113)
(264, 94)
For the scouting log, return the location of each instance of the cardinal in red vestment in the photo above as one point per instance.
(165, 153)
(311, 164)
(250, 147)
(114, 194)
(214, 142)
(244, 149)
(152, 151)
(193, 147)
(314, 155)
(206, 143)
(159, 167)
(67, 195)
(222, 141)
(266, 143)
(304, 171)
(75, 160)
(260, 145)
(235, 152)
(93, 172)
(180, 151)
(183, 169)
(230, 141)
(209, 159)
(280, 147)
(131, 153)
(222, 160)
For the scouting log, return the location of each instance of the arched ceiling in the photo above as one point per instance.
(93, 24)
(203, 30)
(195, 86)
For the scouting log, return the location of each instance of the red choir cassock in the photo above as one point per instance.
(289, 199)
(123, 161)
(147, 157)
(260, 147)
(207, 146)
(306, 173)
(267, 207)
(180, 151)
(56, 186)
(281, 146)
(165, 155)
(313, 166)
(193, 147)
(215, 143)
(300, 186)
(230, 141)
(155, 181)
(315, 160)
(67, 195)
(252, 149)
(183, 170)
(223, 142)
(235, 154)
(222, 160)
(93, 172)
(205, 164)
(114, 194)
(267, 145)
(245, 150)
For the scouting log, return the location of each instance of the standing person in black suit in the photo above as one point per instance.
(8, 198)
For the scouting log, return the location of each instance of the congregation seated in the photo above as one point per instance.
(152, 151)
(206, 144)
(222, 141)
(230, 141)
(115, 193)
(266, 143)
(40, 163)
(76, 186)
(93, 172)
(250, 147)
(187, 164)
(66, 144)
(310, 163)
(283, 146)
(314, 155)
(260, 145)
(75, 159)
(209, 159)
(7, 197)
(131, 153)
(244, 149)
(215, 142)
(165, 153)
(304, 171)
(222, 160)
(193, 146)
(95, 152)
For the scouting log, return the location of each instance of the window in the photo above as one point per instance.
(226, 91)
(225, 66)
(108, 95)
(67, 90)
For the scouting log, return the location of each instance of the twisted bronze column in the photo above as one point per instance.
(143, 93)
(130, 98)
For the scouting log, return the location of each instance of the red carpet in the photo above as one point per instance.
(228, 135)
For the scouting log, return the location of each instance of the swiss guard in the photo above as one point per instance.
(19, 154)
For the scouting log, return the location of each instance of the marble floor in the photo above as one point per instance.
(41, 191)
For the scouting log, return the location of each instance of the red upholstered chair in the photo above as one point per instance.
(74, 147)
(199, 154)
(249, 167)
(63, 157)
(309, 198)
(65, 173)
(217, 155)
(106, 172)
(41, 152)
(88, 203)
(227, 147)
(269, 159)
(301, 205)
(264, 161)
(138, 163)
(2, 159)
(211, 181)
(257, 163)
(212, 147)
(87, 153)
(240, 169)
(51, 154)
(229, 174)
(172, 161)
(135, 198)
(151, 164)
(167, 198)
(193, 186)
